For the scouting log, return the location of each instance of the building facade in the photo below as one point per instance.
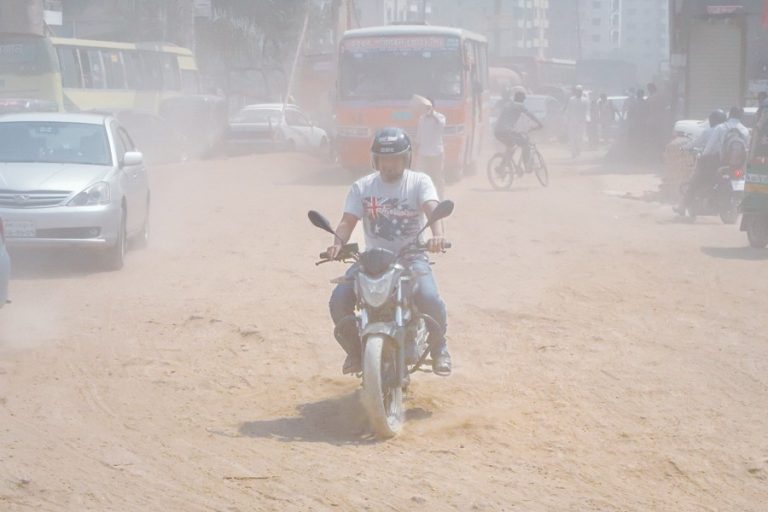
(644, 36)
(600, 29)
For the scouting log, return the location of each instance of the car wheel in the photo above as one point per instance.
(142, 239)
(323, 147)
(114, 257)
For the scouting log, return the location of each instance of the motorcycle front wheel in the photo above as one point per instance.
(382, 394)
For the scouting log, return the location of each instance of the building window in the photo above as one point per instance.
(597, 4)
(595, 39)
(596, 22)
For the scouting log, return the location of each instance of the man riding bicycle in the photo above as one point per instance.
(508, 130)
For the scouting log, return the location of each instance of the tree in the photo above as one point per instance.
(273, 23)
(22, 16)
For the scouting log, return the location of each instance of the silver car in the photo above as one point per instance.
(72, 180)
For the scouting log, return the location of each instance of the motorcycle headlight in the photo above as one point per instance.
(96, 194)
(375, 291)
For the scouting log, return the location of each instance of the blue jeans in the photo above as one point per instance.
(425, 296)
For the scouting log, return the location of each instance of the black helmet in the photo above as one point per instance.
(717, 117)
(520, 96)
(391, 141)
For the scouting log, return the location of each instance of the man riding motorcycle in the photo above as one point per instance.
(709, 146)
(393, 203)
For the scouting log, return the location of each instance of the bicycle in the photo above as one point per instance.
(504, 166)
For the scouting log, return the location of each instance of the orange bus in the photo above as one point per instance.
(381, 68)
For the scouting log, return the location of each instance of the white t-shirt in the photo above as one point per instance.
(717, 138)
(391, 212)
(429, 135)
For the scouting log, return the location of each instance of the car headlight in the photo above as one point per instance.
(96, 194)
(376, 291)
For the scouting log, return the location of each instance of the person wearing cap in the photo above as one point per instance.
(576, 112)
(393, 203)
(430, 152)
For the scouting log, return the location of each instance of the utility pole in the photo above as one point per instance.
(578, 31)
(497, 27)
(424, 11)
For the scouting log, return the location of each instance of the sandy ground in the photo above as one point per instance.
(606, 358)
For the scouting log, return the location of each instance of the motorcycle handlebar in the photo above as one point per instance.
(325, 256)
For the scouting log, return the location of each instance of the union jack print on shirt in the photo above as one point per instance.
(390, 218)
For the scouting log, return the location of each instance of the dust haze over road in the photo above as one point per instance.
(605, 358)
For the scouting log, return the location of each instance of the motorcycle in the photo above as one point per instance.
(392, 332)
(723, 197)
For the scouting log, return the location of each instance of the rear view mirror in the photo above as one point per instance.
(132, 158)
(321, 222)
(442, 210)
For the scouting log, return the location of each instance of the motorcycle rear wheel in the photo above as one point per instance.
(382, 394)
(729, 211)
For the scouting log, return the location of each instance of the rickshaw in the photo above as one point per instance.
(755, 204)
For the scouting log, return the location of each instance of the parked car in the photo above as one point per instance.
(692, 128)
(273, 126)
(5, 267)
(72, 180)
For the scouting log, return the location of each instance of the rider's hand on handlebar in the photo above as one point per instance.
(436, 244)
(334, 251)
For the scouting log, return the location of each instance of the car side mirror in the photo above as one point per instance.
(441, 211)
(132, 158)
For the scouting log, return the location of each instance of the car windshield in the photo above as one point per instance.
(395, 70)
(257, 116)
(54, 142)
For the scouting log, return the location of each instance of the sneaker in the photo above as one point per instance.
(441, 362)
(352, 365)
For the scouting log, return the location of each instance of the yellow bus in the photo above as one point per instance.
(80, 74)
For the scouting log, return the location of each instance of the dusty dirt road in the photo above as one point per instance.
(606, 358)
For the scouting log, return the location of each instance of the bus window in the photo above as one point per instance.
(132, 63)
(70, 67)
(152, 70)
(171, 79)
(93, 70)
(113, 65)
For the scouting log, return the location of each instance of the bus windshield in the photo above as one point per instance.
(396, 68)
(21, 55)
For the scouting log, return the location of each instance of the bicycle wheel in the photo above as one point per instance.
(500, 172)
(539, 167)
